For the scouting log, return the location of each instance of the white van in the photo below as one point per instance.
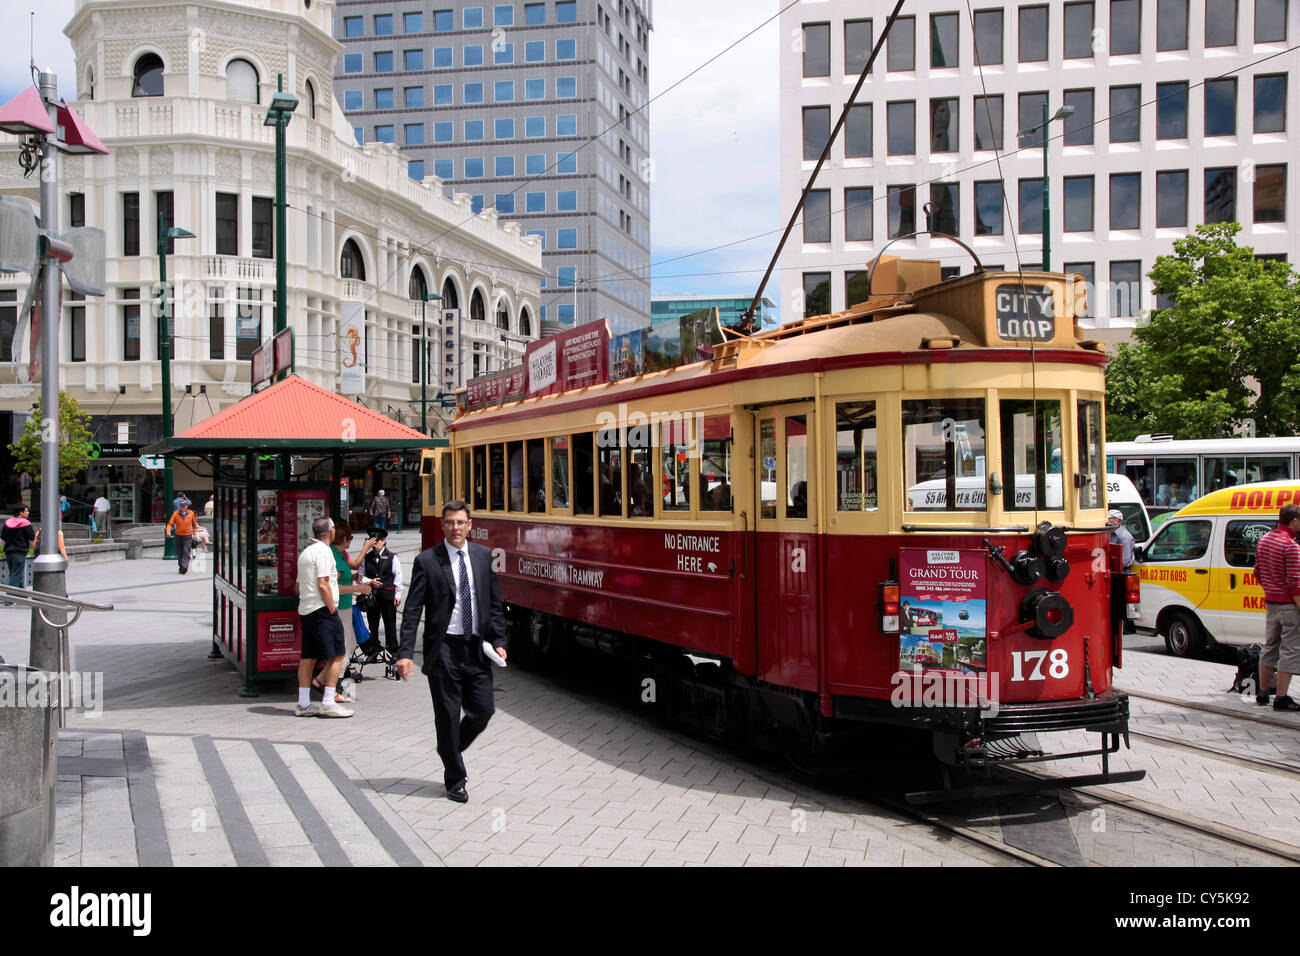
(1198, 571)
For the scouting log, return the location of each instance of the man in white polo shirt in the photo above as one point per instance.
(322, 629)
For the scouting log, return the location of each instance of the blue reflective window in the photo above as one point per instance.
(505, 53)
(442, 132)
(383, 99)
(566, 87)
(443, 20)
(444, 168)
(415, 169)
(503, 15)
(535, 202)
(540, 234)
(535, 89)
(476, 204)
(414, 134)
(473, 131)
(412, 60)
(503, 91)
(359, 134)
(505, 203)
(505, 166)
(384, 62)
(442, 95)
(566, 124)
(534, 164)
(474, 167)
(534, 127)
(566, 200)
(472, 55)
(383, 24)
(384, 134)
(566, 11)
(566, 238)
(473, 92)
(534, 14)
(566, 162)
(473, 18)
(414, 96)
(354, 26)
(504, 128)
(565, 274)
(566, 313)
(352, 99)
(535, 51)
(413, 22)
(566, 49)
(351, 62)
(442, 58)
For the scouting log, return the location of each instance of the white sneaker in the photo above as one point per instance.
(336, 710)
(311, 710)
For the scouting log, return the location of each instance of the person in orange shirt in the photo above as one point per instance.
(186, 524)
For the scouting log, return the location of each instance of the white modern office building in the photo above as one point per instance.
(1182, 114)
(179, 93)
(534, 109)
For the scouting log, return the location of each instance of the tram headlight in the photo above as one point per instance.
(889, 607)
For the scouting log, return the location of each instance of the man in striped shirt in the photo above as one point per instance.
(1277, 565)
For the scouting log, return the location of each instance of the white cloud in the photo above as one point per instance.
(53, 51)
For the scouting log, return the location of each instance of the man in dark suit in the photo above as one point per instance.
(454, 585)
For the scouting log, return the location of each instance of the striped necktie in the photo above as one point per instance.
(466, 605)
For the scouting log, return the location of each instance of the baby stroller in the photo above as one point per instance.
(368, 650)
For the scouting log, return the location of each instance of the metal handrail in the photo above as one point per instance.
(41, 602)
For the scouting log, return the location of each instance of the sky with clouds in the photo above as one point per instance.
(713, 139)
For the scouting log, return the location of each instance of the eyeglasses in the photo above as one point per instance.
(448, 523)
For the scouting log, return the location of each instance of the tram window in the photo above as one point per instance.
(560, 473)
(640, 477)
(767, 473)
(480, 478)
(536, 476)
(715, 463)
(1180, 541)
(796, 466)
(943, 454)
(497, 477)
(1240, 540)
(515, 457)
(584, 475)
(675, 443)
(445, 476)
(1091, 460)
(855, 455)
(1031, 451)
(610, 472)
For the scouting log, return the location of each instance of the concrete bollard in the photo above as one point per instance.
(28, 764)
(134, 548)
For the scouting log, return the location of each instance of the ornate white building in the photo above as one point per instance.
(178, 92)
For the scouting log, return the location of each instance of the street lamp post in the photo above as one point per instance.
(1060, 114)
(165, 356)
(424, 357)
(278, 115)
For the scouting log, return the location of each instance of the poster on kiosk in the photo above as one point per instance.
(942, 619)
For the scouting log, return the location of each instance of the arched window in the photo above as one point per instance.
(311, 100)
(242, 82)
(417, 288)
(351, 265)
(525, 322)
(476, 310)
(450, 300)
(503, 316)
(90, 83)
(148, 76)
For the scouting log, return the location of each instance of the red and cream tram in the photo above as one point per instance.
(894, 514)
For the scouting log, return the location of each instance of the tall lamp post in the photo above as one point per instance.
(278, 115)
(424, 357)
(165, 356)
(1060, 114)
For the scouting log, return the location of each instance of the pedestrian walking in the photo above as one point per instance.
(454, 587)
(186, 525)
(1277, 566)
(322, 630)
(18, 535)
(1121, 536)
(380, 509)
(386, 567)
(101, 517)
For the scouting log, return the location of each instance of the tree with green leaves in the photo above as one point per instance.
(74, 439)
(1227, 348)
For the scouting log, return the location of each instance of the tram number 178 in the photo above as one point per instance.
(1058, 664)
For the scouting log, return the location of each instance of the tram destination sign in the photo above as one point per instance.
(1025, 312)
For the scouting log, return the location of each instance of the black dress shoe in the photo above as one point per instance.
(458, 793)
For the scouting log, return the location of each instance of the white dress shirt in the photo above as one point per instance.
(397, 572)
(456, 625)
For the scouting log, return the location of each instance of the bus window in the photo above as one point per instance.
(1090, 457)
(855, 455)
(1031, 449)
(715, 463)
(675, 443)
(943, 454)
(1176, 481)
(515, 456)
(767, 473)
(480, 478)
(536, 476)
(609, 472)
(560, 473)
(1224, 472)
(584, 477)
(1268, 469)
(640, 473)
(796, 465)
(497, 477)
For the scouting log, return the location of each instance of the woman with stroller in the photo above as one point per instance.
(346, 565)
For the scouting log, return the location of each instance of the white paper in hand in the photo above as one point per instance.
(492, 654)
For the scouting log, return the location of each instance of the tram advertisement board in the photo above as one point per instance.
(297, 510)
(627, 355)
(279, 643)
(493, 389)
(573, 359)
(944, 596)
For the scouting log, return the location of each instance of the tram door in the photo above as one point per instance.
(785, 553)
